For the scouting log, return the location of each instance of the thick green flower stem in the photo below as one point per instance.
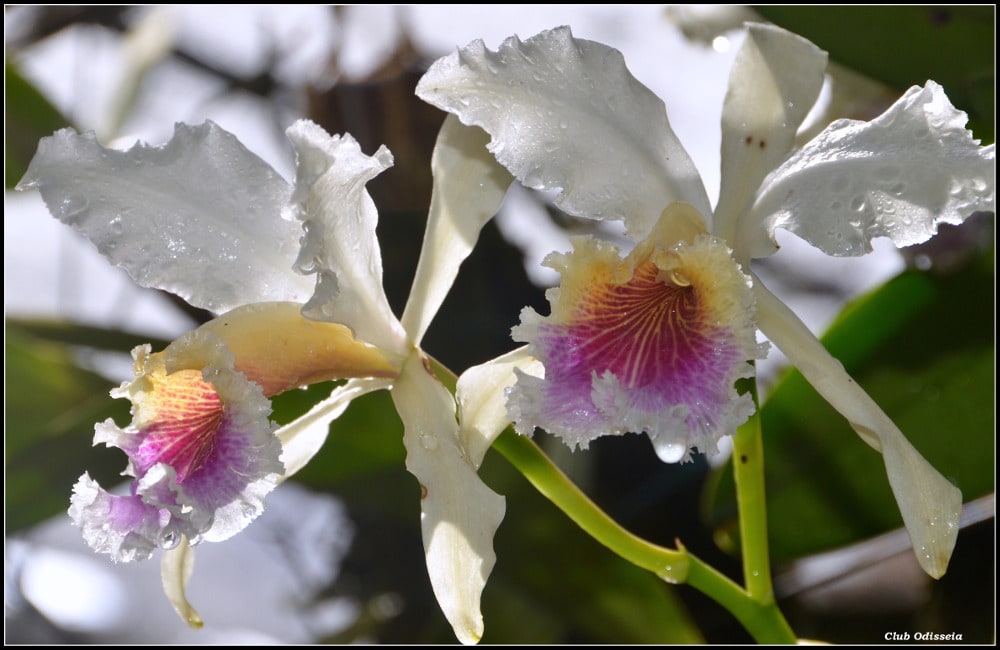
(762, 620)
(748, 469)
(671, 565)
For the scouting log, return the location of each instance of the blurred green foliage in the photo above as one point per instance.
(903, 46)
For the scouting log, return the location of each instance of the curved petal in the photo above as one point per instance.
(930, 504)
(460, 514)
(304, 436)
(775, 80)
(339, 244)
(175, 571)
(482, 399)
(898, 176)
(565, 113)
(278, 349)
(469, 187)
(198, 216)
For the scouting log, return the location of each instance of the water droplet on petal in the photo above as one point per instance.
(169, 540)
(74, 206)
(671, 453)
(428, 441)
(249, 512)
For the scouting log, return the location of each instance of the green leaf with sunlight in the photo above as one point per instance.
(923, 348)
(904, 46)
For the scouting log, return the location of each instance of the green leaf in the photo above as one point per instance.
(906, 45)
(28, 117)
(923, 348)
(51, 407)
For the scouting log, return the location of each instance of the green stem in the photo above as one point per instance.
(748, 468)
(762, 620)
(548, 479)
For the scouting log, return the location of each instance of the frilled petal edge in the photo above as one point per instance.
(199, 216)
(898, 176)
(565, 113)
(652, 343)
(340, 245)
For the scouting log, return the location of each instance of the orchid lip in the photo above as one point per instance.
(651, 343)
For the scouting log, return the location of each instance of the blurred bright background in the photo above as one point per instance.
(337, 555)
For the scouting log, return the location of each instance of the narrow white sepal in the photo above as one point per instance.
(931, 506)
(774, 82)
(340, 245)
(460, 514)
(469, 186)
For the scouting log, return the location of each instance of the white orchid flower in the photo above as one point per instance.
(653, 342)
(206, 219)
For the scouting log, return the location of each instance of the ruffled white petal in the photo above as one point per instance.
(339, 244)
(898, 176)
(122, 526)
(565, 113)
(774, 81)
(930, 504)
(198, 216)
(175, 571)
(302, 438)
(460, 514)
(482, 399)
(469, 187)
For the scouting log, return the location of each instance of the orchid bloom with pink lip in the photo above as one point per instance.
(206, 219)
(653, 341)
